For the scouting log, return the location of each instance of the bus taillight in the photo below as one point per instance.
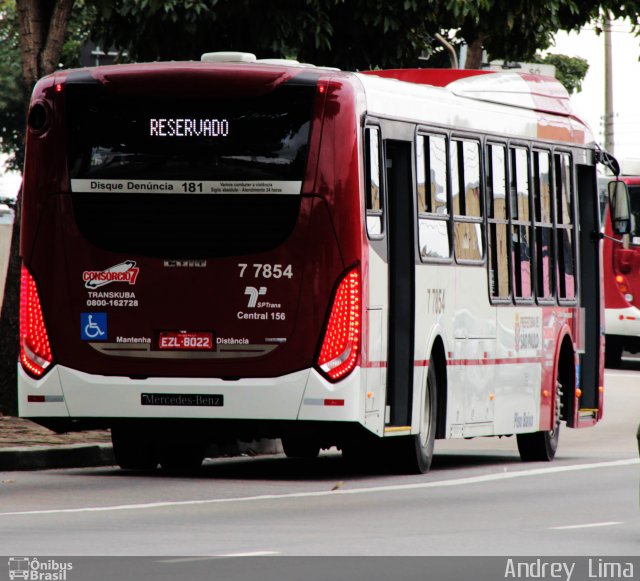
(623, 288)
(35, 350)
(341, 344)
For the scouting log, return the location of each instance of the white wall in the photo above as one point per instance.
(5, 245)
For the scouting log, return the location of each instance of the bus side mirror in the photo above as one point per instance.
(619, 207)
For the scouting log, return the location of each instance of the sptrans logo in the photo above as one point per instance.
(35, 570)
(254, 293)
(126, 271)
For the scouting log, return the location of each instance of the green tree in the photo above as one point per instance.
(12, 93)
(570, 70)
(14, 89)
(514, 30)
(42, 26)
(349, 34)
(149, 30)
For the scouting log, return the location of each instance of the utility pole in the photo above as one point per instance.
(609, 142)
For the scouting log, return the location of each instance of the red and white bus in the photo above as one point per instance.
(257, 249)
(621, 260)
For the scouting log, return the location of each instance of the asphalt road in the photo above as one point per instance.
(478, 499)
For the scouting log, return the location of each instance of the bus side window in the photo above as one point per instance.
(543, 225)
(373, 184)
(498, 224)
(467, 202)
(433, 203)
(520, 222)
(566, 259)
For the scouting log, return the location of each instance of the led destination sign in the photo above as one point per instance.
(129, 142)
(180, 127)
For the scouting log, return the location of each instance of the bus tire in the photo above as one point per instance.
(416, 452)
(298, 447)
(134, 449)
(542, 446)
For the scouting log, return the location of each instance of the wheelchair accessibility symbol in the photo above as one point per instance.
(93, 326)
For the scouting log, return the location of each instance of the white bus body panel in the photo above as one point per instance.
(493, 385)
(443, 107)
(518, 370)
(297, 396)
(474, 331)
(377, 314)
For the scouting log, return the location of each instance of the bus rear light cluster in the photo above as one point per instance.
(623, 287)
(341, 344)
(35, 350)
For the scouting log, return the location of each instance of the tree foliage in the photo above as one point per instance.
(570, 70)
(12, 91)
(15, 88)
(349, 34)
(184, 29)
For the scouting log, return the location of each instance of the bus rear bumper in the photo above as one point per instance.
(303, 395)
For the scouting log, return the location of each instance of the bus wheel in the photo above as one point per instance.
(417, 451)
(542, 446)
(134, 449)
(297, 447)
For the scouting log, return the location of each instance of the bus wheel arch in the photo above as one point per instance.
(542, 446)
(414, 454)
(566, 378)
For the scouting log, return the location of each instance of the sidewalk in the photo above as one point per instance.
(25, 445)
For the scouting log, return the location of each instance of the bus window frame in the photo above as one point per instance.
(381, 214)
(527, 147)
(447, 219)
(457, 137)
(507, 299)
(538, 147)
(564, 301)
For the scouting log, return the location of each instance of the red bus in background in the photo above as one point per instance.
(622, 277)
(244, 249)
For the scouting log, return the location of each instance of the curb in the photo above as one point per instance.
(48, 457)
(92, 455)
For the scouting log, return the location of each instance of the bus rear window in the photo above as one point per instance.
(175, 177)
(143, 144)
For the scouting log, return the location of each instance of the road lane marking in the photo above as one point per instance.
(336, 493)
(586, 526)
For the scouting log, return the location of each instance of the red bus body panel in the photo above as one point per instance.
(212, 298)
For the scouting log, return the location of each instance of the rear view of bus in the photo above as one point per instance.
(190, 275)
